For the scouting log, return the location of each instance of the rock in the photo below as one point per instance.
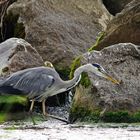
(61, 30)
(17, 54)
(125, 27)
(6, 28)
(121, 61)
(115, 6)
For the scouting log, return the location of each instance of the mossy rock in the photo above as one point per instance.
(84, 109)
(82, 114)
(13, 99)
(98, 39)
(75, 64)
(12, 103)
(85, 81)
(12, 107)
(121, 117)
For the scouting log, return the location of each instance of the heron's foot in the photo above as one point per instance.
(45, 116)
(30, 112)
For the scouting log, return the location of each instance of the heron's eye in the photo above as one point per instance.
(96, 65)
(100, 68)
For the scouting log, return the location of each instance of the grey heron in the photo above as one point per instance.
(46, 64)
(38, 83)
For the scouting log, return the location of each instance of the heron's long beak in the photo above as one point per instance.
(108, 77)
(112, 79)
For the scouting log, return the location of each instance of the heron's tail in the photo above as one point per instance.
(8, 89)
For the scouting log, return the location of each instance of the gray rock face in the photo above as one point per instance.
(125, 27)
(17, 54)
(61, 30)
(121, 61)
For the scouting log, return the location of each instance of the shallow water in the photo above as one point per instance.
(56, 130)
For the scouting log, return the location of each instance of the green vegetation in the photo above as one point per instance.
(99, 38)
(75, 64)
(83, 114)
(84, 79)
(3, 117)
(13, 99)
(10, 104)
(121, 116)
(83, 107)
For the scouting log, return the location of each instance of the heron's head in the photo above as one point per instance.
(48, 64)
(100, 71)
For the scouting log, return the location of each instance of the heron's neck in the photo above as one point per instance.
(76, 79)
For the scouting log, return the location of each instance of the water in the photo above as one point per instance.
(56, 130)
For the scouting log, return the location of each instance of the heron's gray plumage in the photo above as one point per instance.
(41, 82)
(32, 81)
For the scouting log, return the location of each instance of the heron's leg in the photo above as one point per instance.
(32, 105)
(30, 111)
(44, 107)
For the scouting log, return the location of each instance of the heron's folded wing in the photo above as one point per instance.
(30, 82)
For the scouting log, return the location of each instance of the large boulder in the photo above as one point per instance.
(17, 54)
(121, 61)
(125, 27)
(61, 30)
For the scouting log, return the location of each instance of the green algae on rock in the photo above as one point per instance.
(83, 108)
(84, 77)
